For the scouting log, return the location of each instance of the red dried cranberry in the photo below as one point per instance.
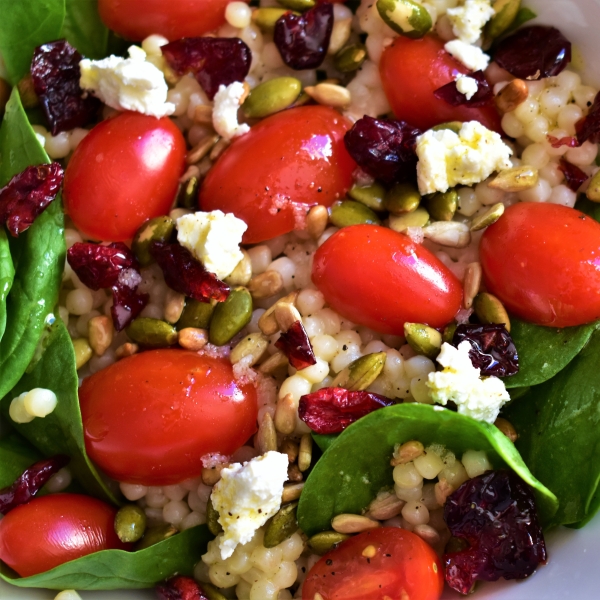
(450, 94)
(127, 305)
(28, 194)
(569, 141)
(574, 176)
(180, 588)
(184, 274)
(492, 349)
(303, 40)
(294, 343)
(534, 52)
(385, 149)
(213, 61)
(55, 74)
(495, 513)
(589, 127)
(30, 482)
(331, 410)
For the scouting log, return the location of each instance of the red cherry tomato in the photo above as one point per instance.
(402, 566)
(124, 172)
(541, 261)
(52, 530)
(137, 19)
(150, 418)
(411, 70)
(379, 278)
(288, 162)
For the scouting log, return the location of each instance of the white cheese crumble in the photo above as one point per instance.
(460, 382)
(247, 496)
(127, 83)
(214, 238)
(466, 85)
(469, 19)
(38, 402)
(474, 58)
(225, 112)
(447, 159)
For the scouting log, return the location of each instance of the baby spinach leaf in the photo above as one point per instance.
(7, 275)
(545, 351)
(559, 434)
(16, 454)
(117, 569)
(25, 25)
(84, 29)
(357, 465)
(588, 207)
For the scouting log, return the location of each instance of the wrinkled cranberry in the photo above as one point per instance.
(213, 61)
(569, 141)
(574, 176)
(184, 274)
(303, 40)
(331, 410)
(534, 52)
(385, 149)
(492, 349)
(127, 305)
(589, 127)
(55, 74)
(30, 482)
(180, 588)
(495, 513)
(28, 194)
(294, 343)
(450, 94)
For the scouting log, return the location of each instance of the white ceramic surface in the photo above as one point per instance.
(573, 570)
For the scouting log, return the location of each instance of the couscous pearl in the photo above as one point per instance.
(286, 575)
(324, 347)
(347, 354)
(527, 111)
(540, 192)
(568, 80)
(428, 496)
(326, 235)
(468, 204)
(429, 464)
(537, 130)
(375, 346)
(67, 595)
(475, 463)
(175, 511)
(292, 548)
(536, 155)
(154, 516)
(252, 326)
(407, 476)
(568, 117)
(394, 364)
(266, 559)
(348, 337)
(192, 520)
(59, 481)
(582, 156)
(195, 503)
(59, 145)
(536, 87)
(263, 589)
(97, 363)
(174, 492)
(17, 412)
(487, 195)
(40, 402)
(313, 326)
(204, 491)
(563, 195)
(552, 174)
(79, 302)
(415, 513)
(155, 498)
(420, 391)
(332, 322)
(295, 385)
(77, 136)
(238, 14)
(418, 366)
(286, 268)
(512, 126)
(552, 99)
(133, 491)
(153, 43)
(317, 372)
(82, 322)
(584, 96)
(309, 302)
(71, 237)
(455, 475)
(220, 577)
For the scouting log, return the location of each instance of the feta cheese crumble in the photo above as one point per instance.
(469, 19)
(127, 83)
(247, 496)
(447, 159)
(466, 85)
(214, 238)
(461, 383)
(225, 112)
(474, 58)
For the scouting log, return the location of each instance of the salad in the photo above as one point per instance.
(298, 299)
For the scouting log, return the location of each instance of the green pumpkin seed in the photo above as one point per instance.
(188, 193)
(152, 333)
(323, 542)
(442, 206)
(506, 12)
(154, 535)
(516, 179)
(490, 310)
(417, 218)
(281, 526)
(370, 195)
(271, 96)
(196, 314)
(265, 18)
(299, 5)
(130, 523)
(212, 519)
(593, 191)
(405, 17)
(350, 58)
(212, 592)
(489, 217)
(423, 339)
(448, 334)
(402, 198)
(230, 317)
(454, 126)
(242, 273)
(159, 229)
(361, 373)
(349, 212)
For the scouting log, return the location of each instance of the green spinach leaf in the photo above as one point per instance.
(25, 25)
(525, 14)
(16, 454)
(7, 276)
(117, 569)
(588, 207)
(357, 465)
(84, 29)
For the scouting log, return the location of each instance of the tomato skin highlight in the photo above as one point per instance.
(296, 155)
(541, 261)
(404, 566)
(125, 171)
(376, 277)
(54, 529)
(151, 417)
(137, 19)
(411, 70)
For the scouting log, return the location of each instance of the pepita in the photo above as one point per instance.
(489, 217)
(212, 519)
(154, 535)
(372, 196)
(423, 339)
(593, 191)
(417, 218)
(188, 193)
(448, 334)
(323, 542)
(281, 526)
(506, 11)
(490, 310)
(266, 437)
(443, 205)
(230, 317)
(305, 452)
(350, 58)
(361, 373)
(196, 314)
(299, 5)
(212, 592)
(152, 333)
(159, 229)
(251, 348)
(265, 18)
(130, 523)
(454, 126)
(267, 322)
(405, 17)
(402, 198)
(265, 285)
(329, 94)
(516, 179)
(348, 523)
(316, 221)
(242, 273)
(448, 233)
(271, 96)
(350, 212)
(472, 283)
(192, 338)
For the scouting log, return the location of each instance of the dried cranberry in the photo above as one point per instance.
(184, 274)
(569, 141)
(127, 305)
(213, 61)
(492, 349)
(55, 74)
(180, 588)
(574, 176)
(589, 127)
(28, 194)
(331, 410)
(303, 40)
(495, 513)
(534, 52)
(450, 94)
(385, 149)
(294, 343)
(30, 482)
